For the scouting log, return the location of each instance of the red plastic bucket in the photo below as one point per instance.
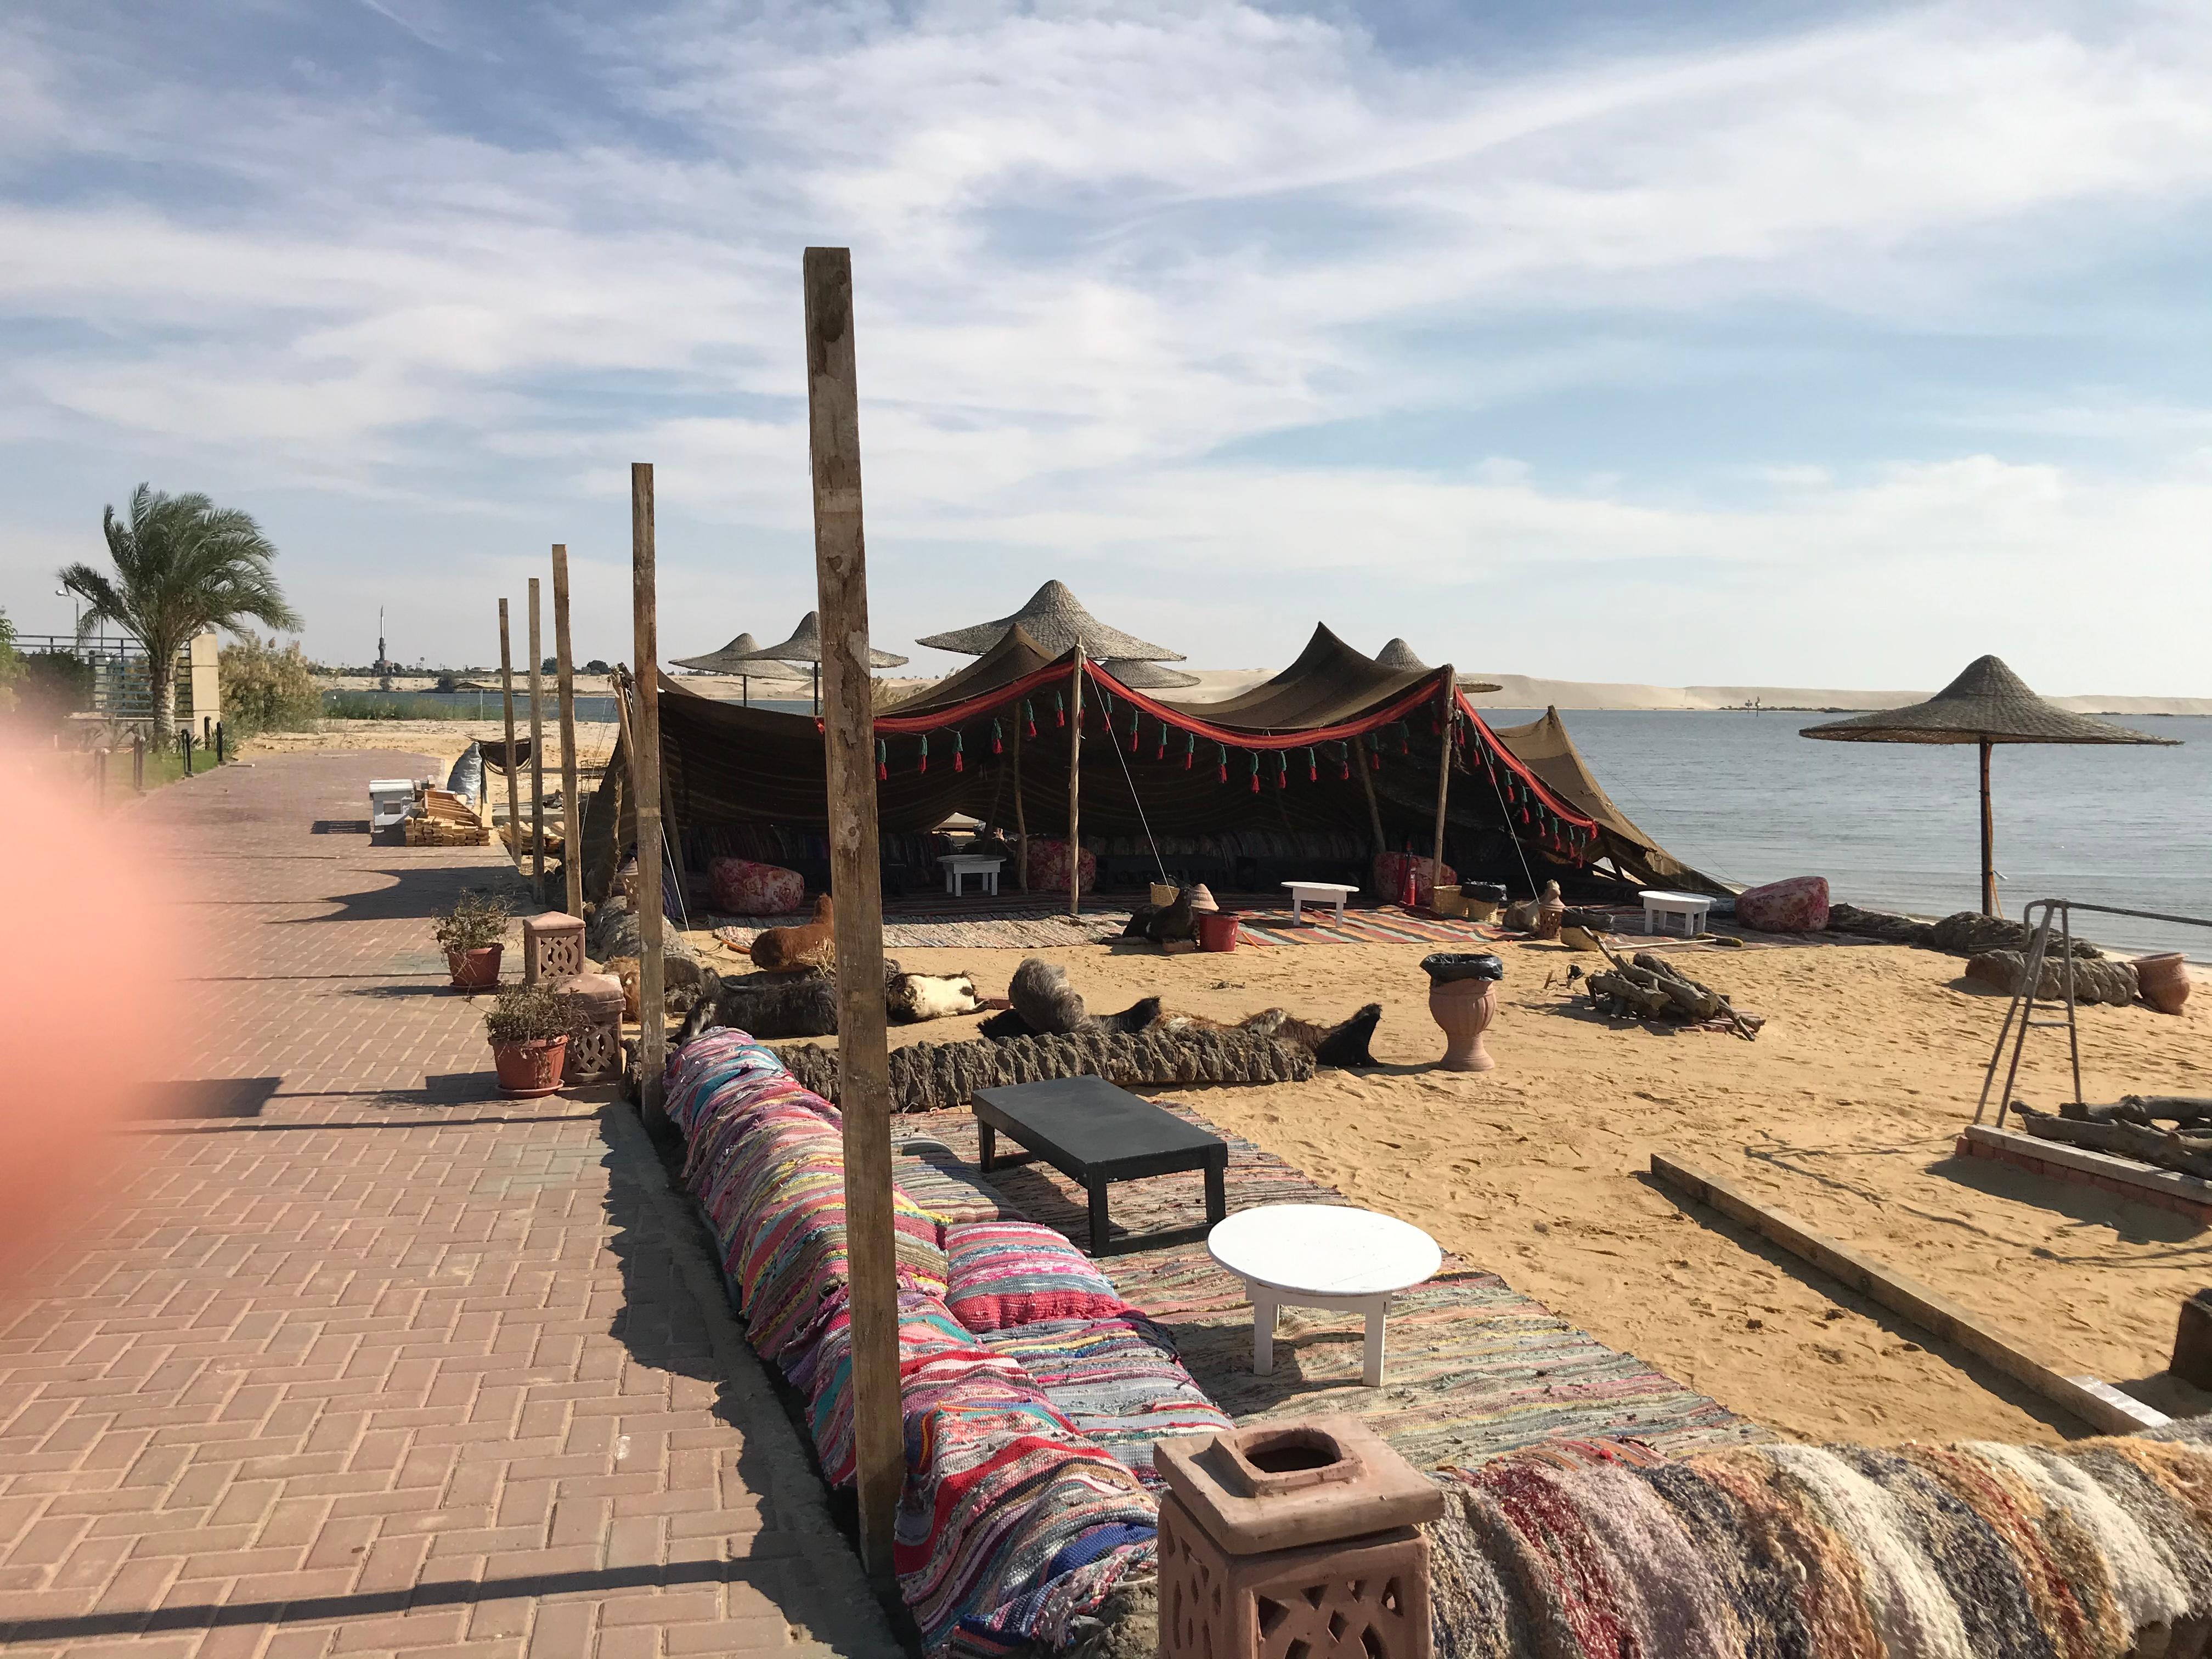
(1216, 930)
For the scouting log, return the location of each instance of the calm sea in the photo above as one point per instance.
(1897, 826)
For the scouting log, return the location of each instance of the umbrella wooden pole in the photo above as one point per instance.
(1075, 790)
(506, 698)
(652, 968)
(856, 876)
(1988, 841)
(1021, 816)
(564, 695)
(537, 754)
(1443, 788)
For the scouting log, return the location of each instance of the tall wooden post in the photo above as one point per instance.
(564, 695)
(1021, 816)
(1988, 841)
(506, 698)
(1075, 790)
(1374, 811)
(652, 969)
(1443, 783)
(537, 756)
(856, 877)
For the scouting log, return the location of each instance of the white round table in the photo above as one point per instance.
(1323, 1256)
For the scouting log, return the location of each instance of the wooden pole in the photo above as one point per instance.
(651, 970)
(1988, 841)
(856, 876)
(1021, 816)
(506, 698)
(1374, 811)
(537, 754)
(1443, 784)
(564, 694)
(1075, 790)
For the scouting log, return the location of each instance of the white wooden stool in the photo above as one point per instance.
(958, 865)
(1318, 892)
(1659, 905)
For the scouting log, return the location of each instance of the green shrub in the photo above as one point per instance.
(384, 706)
(478, 920)
(11, 664)
(266, 689)
(532, 1013)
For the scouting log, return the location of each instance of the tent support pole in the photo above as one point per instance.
(537, 752)
(1021, 817)
(651, 968)
(506, 698)
(564, 697)
(1988, 841)
(1444, 784)
(1367, 783)
(856, 876)
(1075, 790)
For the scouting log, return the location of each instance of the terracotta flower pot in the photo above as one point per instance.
(1464, 1008)
(476, 970)
(2162, 981)
(527, 1070)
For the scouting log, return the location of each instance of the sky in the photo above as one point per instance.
(1747, 342)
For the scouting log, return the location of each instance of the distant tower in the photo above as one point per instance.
(383, 661)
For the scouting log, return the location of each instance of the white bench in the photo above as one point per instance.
(1318, 892)
(1659, 905)
(958, 865)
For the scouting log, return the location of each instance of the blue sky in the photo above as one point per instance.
(1770, 342)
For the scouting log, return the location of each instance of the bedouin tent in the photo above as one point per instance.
(1309, 774)
(1544, 747)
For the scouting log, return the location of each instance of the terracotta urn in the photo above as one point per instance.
(528, 1070)
(475, 970)
(1463, 1001)
(1549, 910)
(2162, 981)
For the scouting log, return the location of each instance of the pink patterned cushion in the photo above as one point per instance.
(1048, 867)
(1004, 1273)
(742, 888)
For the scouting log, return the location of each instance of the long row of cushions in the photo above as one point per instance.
(1031, 1393)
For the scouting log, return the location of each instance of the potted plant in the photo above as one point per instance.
(530, 1027)
(470, 934)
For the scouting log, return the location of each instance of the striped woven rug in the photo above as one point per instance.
(1474, 1367)
(986, 927)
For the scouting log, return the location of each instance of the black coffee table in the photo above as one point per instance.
(1094, 1133)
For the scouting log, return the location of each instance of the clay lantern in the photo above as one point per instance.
(1296, 1540)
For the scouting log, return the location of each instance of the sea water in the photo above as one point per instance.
(1897, 826)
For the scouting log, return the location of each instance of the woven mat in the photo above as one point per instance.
(988, 926)
(1473, 1368)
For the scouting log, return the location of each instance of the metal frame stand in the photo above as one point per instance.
(2020, 1014)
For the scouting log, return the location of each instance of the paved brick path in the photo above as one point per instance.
(394, 1366)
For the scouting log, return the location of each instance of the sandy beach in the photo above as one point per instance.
(1844, 1110)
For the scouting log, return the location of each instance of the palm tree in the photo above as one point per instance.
(182, 565)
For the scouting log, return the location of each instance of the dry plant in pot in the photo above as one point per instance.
(470, 934)
(530, 1026)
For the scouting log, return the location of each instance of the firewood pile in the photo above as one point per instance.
(2131, 1127)
(1650, 986)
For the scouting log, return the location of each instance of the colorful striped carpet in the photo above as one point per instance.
(985, 925)
(1475, 1369)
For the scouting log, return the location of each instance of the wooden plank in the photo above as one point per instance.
(652, 968)
(537, 754)
(564, 697)
(2095, 1403)
(506, 699)
(840, 576)
(1075, 789)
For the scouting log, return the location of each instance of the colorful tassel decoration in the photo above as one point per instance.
(1282, 769)
(1162, 753)
(1223, 757)
(959, 750)
(1344, 760)
(883, 760)
(1058, 710)
(997, 744)
(1028, 714)
(1133, 731)
(1256, 771)
(1313, 767)
(924, 767)
(1190, 749)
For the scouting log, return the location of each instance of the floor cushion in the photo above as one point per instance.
(1004, 1273)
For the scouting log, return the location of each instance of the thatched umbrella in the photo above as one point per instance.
(1056, 620)
(1399, 654)
(1140, 675)
(804, 646)
(737, 658)
(1988, 704)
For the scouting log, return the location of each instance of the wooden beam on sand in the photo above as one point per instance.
(537, 754)
(506, 698)
(651, 968)
(841, 575)
(2098, 1404)
(564, 695)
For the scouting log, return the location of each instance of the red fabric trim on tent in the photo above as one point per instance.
(1557, 808)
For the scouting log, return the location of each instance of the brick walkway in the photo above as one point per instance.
(392, 1366)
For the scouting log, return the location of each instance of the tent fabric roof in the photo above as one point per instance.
(1056, 620)
(1329, 682)
(1545, 749)
(804, 645)
(740, 657)
(1987, 703)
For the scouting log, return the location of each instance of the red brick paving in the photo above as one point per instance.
(394, 1366)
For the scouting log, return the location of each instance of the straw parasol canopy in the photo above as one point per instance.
(1399, 654)
(1139, 675)
(740, 657)
(1056, 620)
(804, 646)
(1986, 705)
